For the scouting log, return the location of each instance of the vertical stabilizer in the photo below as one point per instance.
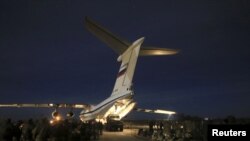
(126, 72)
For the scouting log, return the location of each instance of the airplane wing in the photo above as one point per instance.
(50, 105)
(156, 111)
(119, 45)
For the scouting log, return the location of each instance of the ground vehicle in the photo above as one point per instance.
(114, 124)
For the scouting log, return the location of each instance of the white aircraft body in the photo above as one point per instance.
(120, 102)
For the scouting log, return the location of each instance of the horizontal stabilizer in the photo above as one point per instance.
(119, 45)
(157, 111)
(154, 51)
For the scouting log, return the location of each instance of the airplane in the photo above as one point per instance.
(121, 101)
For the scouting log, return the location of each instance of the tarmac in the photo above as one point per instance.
(126, 135)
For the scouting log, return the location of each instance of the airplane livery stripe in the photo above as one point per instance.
(104, 104)
(122, 72)
(124, 66)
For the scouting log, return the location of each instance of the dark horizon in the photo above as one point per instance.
(48, 56)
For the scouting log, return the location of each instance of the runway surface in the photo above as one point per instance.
(126, 135)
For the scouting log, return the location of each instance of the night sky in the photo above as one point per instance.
(47, 55)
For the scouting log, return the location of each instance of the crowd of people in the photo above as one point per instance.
(44, 130)
(189, 129)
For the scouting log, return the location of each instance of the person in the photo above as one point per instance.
(8, 130)
(26, 130)
(100, 127)
(83, 131)
(75, 134)
(161, 125)
(57, 133)
(42, 130)
(16, 131)
(151, 127)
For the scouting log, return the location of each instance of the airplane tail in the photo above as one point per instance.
(128, 52)
(128, 61)
(119, 45)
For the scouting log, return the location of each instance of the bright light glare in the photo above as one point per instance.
(160, 52)
(58, 118)
(126, 110)
(51, 121)
(164, 112)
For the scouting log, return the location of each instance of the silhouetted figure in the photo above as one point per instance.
(75, 134)
(161, 125)
(99, 127)
(26, 130)
(151, 125)
(83, 132)
(88, 132)
(94, 130)
(8, 130)
(57, 132)
(17, 131)
(42, 130)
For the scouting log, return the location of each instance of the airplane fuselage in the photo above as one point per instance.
(111, 105)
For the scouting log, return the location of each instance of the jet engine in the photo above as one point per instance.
(70, 114)
(55, 114)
